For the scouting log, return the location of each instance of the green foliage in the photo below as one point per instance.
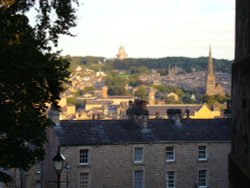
(88, 89)
(138, 70)
(141, 92)
(116, 85)
(117, 90)
(213, 100)
(187, 64)
(72, 100)
(133, 80)
(30, 77)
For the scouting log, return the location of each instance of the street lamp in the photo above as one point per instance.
(58, 165)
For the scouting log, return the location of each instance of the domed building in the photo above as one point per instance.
(121, 53)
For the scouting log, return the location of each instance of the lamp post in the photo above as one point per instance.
(59, 165)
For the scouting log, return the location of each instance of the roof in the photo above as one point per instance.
(162, 109)
(90, 102)
(107, 132)
(119, 97)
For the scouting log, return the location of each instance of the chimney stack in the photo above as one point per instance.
(54, 114)
(174, 114)
(187, 113)
(228, 110)
(138, 112)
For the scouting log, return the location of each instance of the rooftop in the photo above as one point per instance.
(106, 132)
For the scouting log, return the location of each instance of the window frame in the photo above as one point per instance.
(202, 154)
(167, 153)
(82, 181)
(81, 156)
(206, 178)
(167, 178)
(141, 154)
(142, 179)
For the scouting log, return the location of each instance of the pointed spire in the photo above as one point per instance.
(210, 70)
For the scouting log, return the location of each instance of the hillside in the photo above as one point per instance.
(185, 63)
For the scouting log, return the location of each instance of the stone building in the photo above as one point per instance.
(239, 160)
(212, 88)
(151, 96)
(196, 111)
(138, 152)
(121, 53)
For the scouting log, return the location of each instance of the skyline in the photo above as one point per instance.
(153, 29)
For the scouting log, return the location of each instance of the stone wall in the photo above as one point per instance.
(112, 166)
(239, 160)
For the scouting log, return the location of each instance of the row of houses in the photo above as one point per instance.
(137, 152)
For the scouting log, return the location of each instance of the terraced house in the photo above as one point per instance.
(138, 152)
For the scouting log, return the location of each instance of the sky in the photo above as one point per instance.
(153, 28)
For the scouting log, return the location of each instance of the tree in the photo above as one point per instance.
(116, 85)
(31, 76)
(88, 89)
(141, 92)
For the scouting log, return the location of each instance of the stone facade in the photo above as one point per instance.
(239, 160)
(112, 166)
(121, 53)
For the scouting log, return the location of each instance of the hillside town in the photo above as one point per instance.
(97, 104)
(93, 123)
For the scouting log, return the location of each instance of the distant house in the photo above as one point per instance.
(173, 95)
(196, 111)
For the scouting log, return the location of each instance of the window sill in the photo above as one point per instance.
(138, 163)
(170, 161)
(83, 164)
(203, 160)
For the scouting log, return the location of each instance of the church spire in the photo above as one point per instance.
(210, 78)
(210, 67)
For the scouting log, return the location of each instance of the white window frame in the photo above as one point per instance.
(202, 152)
(203, 179)
(84, 180)
(168, 179)
(141, 154)
(170, 153)
(38, 167)
(142, 179)
(81, 156)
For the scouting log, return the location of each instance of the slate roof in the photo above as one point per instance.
(106, 132)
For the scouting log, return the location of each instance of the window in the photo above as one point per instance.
(38, 184)
(84, 180)
(138, 154)
(38, 168)
(84, 156)
(170, 179)
(170, 154)
(138, 179)
(202, 179)
(202, 153)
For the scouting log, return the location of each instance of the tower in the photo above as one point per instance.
(105, 92)
(210, 77)
(151, 96)
(121, 53)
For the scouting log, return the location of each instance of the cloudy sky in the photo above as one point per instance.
(153, 28)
